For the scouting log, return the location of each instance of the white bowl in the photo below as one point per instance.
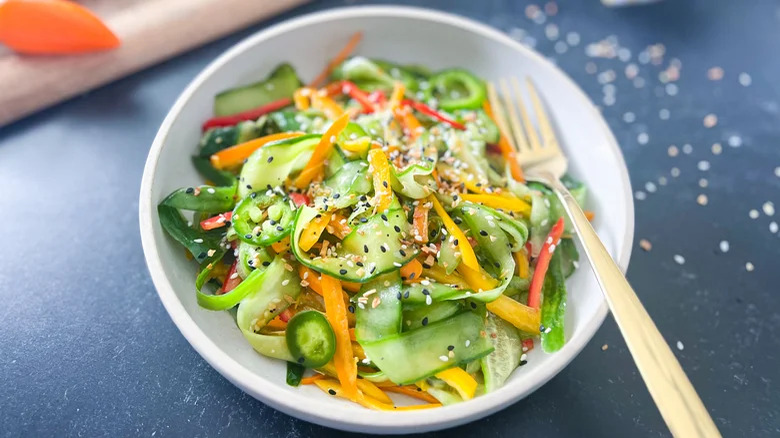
(406, 35)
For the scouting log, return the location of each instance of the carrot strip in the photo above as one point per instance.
(420, 222)
(338, 59)
(317, 161)
(507, 151)
(282, 245)
(381, 176)
(312, 277)
(406, 118)
(336, 313)
(235, 155)
(466, 251)
(338, 226)
(412, 271)
(321, 101)
(411, 391)
(352, 287)
(311, 379)
(352, 335)
(542, 263)
(53, 27)
(277, 323)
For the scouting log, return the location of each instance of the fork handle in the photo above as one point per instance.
(680, 406)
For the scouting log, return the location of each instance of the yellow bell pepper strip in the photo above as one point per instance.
(336, 312)
(420, 222)
(460, 380)
(410, 391)
(397, 95)
(408, 121)
(317, 161)
(526, 319)
(521, 260)
(282, 245)
(438, 273)
(477, 280)
(321, 101)
(333, 387)
(381, 176)
(466, 251)
(500, 202)
(411, 272)
(417, 407)
(313, 231)
(507, 151)
(371, 390)
(234, 156)
(338, 59)
(542, 263)
(301, 98)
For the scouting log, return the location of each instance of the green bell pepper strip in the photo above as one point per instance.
(420, 315)
(251, 257)
(210, 173)
(456, 89)
(272, 164)
(206, 199)
(553, 306)
(373, 323)
(197, 242)
(373, 248)
(263, 219)
(417, 354)
(310, 339)
(498, 365)
(295, 373)
(345, 187)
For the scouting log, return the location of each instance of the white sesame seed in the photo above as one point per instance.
(198, 240)
(234, 275)
(680, 346)
(629, 117)
(650, 187)
(716, 149)
(675, 172)
(664, 114)
(773, 227)
(642, 138)
(285, 282)
(753, 214)
(687, 148)
(428, 300)
(735, 141)
(724, 246)
(640, 195)
(769, 208)
(703, 165)
(444, 358)
(679, 259)
(548, 330)
(749, 267)
(468, 342)
(745, 80)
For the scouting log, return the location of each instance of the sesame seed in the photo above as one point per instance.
(444, 358)
(769, 208)
(702, 199)
(773, 227)
(198, 240)
(753, 214)
(645, 244)
(680, 346)
(710, 120)
(724, 246)
(745, 80)
(331, 391)
(285, 282)
(425, 321)
(468, 342)
(703, 165)
(749, 267)
(679, 259)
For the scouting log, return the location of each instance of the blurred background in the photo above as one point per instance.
(689, 88)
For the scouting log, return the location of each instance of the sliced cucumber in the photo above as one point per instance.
(508, 348)
(281, 83)
(272, 164)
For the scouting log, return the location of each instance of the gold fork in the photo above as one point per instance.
(543, 161)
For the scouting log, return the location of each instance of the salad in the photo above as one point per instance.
(373, 230)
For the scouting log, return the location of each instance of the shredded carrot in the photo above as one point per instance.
(338, 59)
(311, 234)
(277, 323)
(518, 314)
(282, 245)
(411, 391)
(466, 251)
(521, 260)
(311, 379)
(357, 351)
(412, 271)
(409, 122)
(500, 202)
(311, 277)
(321, 101)
(235, 155)
(53, 27)
(336, 313)
(352, 335)
(317, 161)
(381, 176)
(352, 287)
(590, 215)
(369, 389)
(420, 222)
(507, 151)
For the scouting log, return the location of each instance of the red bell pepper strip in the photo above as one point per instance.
(428, 111)
(378, 97)
(359, 95)
(231, 281)
(217, 221)
(251, 114)
(286, 315)
(542, 263)
(299, 199)
(528, 344)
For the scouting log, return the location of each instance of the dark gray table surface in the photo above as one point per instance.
(87, 349)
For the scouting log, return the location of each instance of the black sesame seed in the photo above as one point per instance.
(268, 186)
(363, 220)
(455, 242)
(343, 271)
(426, 292)
(496, 264)
(253, 195)
(363, 198)
(279, 228)
(398, 296)
(270, 159)
(482, 233)
(248, 236)
(202, 255)
(402, 252)
(457, 220)
(450, 347)
(190, 190)
(384, 183)
(337, 196)
(266, 263)
(397, 228)
(373, 269)
(425, 321)
(473, 305)
(384, 217)
(331, 392)
(365, 249)
(412, 275)
(406, 295)
(382, 247)
(301, 359)
(249, 186)
(351, 308)
(273, 222)
(523, 362)
(360, 264)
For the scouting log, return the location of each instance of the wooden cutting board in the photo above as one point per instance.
(151, 31)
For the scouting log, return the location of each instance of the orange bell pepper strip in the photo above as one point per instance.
(301, 98)
(381, 176)
(53, 27)
(352, 335)
(336, 313)
(234, 156)
(282, 245)
(321, 101)
(466, 251)
(311, 234)
(410, 391)
(420, 222)
(411, 272)
(338, 59)
(277, 323)
(518, 314)
(317, 161)
(311, 379)
(542, 263)
(500, 202)
(507, 151)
